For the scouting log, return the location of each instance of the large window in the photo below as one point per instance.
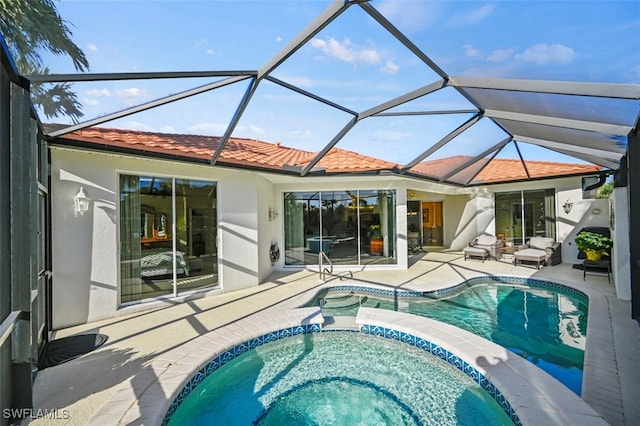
(167, 235)
(351, 227)
(521, 215)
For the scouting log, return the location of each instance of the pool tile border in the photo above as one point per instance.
(532, 394)
(373, 290)
(449, 357)
(449, 291)
(229, 355)
(532, 282)
(390, 333)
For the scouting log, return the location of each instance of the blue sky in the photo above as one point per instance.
(353, 61)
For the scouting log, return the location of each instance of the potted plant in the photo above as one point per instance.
(593, 245)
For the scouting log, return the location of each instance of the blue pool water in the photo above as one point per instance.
(338, 378)
(544, 325)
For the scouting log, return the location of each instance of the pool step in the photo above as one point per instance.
(339, 322)
(344, 302)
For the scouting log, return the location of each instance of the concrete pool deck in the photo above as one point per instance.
(81, 387)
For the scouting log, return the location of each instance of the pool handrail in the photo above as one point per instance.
(322, 270)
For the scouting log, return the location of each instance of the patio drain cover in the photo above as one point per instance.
(65, 349)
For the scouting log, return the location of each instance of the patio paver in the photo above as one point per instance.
(137, 341)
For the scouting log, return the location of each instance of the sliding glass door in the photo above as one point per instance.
(350, 227)
(521, 215)
(167, 236)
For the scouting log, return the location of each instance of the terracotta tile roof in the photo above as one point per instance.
(264, 155)
(247, 152)
(499, 169)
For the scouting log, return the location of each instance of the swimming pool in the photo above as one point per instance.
(542, 322)
(338, 378)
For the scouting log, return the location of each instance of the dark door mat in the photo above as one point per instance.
(65, 349)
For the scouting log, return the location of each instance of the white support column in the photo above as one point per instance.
(620, 255)
(401, 223)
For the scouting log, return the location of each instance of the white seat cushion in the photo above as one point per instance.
(475, 251)
(540, 242)
(486, 240)
(530, 254)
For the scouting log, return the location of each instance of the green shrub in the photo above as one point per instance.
(593, 241)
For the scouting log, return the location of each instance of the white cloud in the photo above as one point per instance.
(471, 52)
(136, 125)
(98, 93)
(345, 52)
(128, 95)
(300, 81)
(390, 68)
(250, 132)
(410, 15)
(131, 96)
(471, 17)
(168, 129)
(278, 39)
(213, 129)
(308, 82)
(90, 102)
(131, 92)
(543, 54)
(92, 47)
(500, 55)
(200, 43)
(300, 134)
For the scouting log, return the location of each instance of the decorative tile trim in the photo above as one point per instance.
(446, 292)
(531, 282)
(449, 357)
(374, 290)
(230, 354)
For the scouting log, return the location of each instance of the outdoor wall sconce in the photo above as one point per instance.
(567, 206)
(273, 214)
(81, 202)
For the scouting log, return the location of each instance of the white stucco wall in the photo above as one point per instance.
(85, 248)
(587, 212)
(453, 210)
(467, 225)
(268, 230)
